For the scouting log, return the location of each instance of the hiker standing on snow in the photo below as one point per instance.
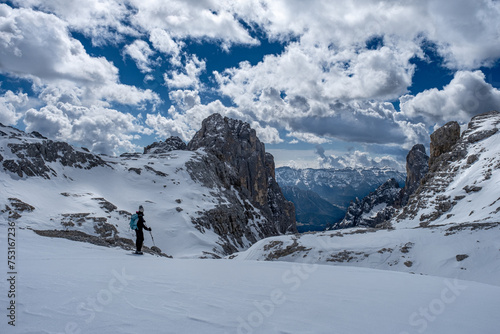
(138, 232)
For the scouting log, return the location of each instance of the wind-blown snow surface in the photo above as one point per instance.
(70, 287)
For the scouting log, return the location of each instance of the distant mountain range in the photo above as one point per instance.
(322, 196)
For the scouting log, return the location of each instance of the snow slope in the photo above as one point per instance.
(70, 287)
(450, 228)
(169, 200)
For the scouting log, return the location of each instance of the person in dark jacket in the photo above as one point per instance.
(141, 224)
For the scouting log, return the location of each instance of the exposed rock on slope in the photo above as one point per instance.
(235, 158)
(210, 202)
(33, 158)
(417, 165)
(373, 209)
(457, 174)
(380, 205)
(449, 228)
(443, 139)
(170, 144)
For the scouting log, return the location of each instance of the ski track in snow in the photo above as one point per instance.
(68, 287)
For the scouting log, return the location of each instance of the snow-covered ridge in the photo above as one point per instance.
(450, 226)
(197, 203)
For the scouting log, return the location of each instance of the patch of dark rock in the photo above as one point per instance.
(157, 172)
(105, 205)
(345, 256)
(209, 255)
(470, 226)
(20, 206)
(170, 144)
(80, 236)
(80, 218)
(133, 156)
(138, 171)
(362, 231)
(408, 264)
(273, 244)
(472, 158)
(461, 257)
(288, 250)
(406, 248)
(469, 189)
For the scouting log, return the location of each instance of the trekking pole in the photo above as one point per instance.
(151, 234)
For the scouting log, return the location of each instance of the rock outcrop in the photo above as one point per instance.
(170, 144)
(443, 139)
(236, 159)
(436, 197)
(373, 209)
(34, 158)
(417, 165)
(382, 204)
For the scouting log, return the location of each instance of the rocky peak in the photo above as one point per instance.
(443, 139)
(417, 165)
(170, 144)
(32, 154)
(251, 170)
(374, 209)
(444, 190)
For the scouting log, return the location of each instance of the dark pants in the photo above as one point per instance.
(139, 239)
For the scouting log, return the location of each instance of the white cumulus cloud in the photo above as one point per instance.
(467, 94)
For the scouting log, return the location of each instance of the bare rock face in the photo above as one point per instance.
(443, 139)
(450, 155)
(417, 165)
(33, 158)
(170, 144)
(373, 209)
(240, 161)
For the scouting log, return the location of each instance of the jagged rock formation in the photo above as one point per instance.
(33, 158)
(381, 205)
(170, 144)
(417, 165)
(443, 139)
(373, 209)
(453, 159)
(236, 159)
(233, 202)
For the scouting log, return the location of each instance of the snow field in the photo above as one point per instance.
(69, 287)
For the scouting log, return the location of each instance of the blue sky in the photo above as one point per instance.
(324, 83)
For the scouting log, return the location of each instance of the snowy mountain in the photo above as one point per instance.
(450, 226)
(197, 202)
(380, 205)
(337, 186)
(374, 209)
(326, 282)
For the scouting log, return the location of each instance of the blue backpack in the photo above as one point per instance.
(133, 221)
